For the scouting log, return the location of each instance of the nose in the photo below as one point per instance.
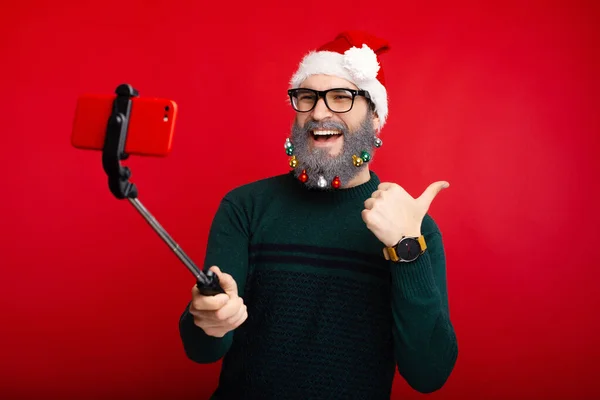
(320, 112)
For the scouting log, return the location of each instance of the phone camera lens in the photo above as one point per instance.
(167, 108)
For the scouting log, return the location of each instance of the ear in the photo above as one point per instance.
(376, 123)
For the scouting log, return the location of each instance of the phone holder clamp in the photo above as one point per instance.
(114, 144)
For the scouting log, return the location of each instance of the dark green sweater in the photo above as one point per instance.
(328, 316)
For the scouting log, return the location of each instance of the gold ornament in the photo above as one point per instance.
(357, 161)
(293, 162)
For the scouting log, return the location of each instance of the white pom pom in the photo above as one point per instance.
(361, 63)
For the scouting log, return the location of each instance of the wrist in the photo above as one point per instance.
(394, 240)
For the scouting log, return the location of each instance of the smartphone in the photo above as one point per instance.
(150, 130)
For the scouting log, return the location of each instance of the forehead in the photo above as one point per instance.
(324, 82)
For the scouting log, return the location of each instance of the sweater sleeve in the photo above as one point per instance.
(424, 339)
(228, 249)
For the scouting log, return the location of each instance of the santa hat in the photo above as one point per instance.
(352, 55)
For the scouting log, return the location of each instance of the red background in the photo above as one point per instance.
(498, 98)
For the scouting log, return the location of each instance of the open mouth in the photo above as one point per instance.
(325, 135)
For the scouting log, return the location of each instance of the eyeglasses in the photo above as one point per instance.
(338, 100)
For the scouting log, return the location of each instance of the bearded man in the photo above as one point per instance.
(332, 279)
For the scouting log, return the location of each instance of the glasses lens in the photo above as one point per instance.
(303, 100)
(339, 100)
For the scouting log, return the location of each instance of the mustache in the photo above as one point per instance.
(333, 125)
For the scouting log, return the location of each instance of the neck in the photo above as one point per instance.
(362, 177)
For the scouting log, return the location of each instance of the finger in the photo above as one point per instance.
(214, 316)
(377, 194)
(365, 215)
(227, 282)
(223, 313)
(201, 323)
(231, 309)
(209, 319)
(242, 317)
(238, 316)
(393, 187)
(209, 303)
(386, 185)
(371, 218)
(429, 194)
(205, 319)
(369, 203)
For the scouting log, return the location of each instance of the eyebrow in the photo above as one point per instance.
(337, 87)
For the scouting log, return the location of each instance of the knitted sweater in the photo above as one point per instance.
(328, 316)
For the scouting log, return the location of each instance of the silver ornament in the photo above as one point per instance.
(322, 183)
(288, 144)
(378, 142)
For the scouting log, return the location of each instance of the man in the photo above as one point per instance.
(332, 279)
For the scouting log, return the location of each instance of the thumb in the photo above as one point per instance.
(226, 281)
(432, 190)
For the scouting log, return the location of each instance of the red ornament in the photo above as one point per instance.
(303, 177)
(336, 183)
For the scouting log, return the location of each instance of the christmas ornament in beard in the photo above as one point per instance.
(317, 163)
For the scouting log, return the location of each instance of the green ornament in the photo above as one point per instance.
(365, 156)
(290, 150)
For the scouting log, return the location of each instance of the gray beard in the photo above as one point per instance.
(317, 162)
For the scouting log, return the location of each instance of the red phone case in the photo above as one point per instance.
(150, 130)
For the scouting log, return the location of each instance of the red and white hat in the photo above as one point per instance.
(352, 55)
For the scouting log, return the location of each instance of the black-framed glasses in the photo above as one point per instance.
(338, 100)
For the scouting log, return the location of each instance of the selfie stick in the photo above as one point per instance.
(118, 182)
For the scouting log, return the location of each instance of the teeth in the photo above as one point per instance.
(325, 133)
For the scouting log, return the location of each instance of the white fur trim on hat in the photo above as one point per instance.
(357, 65)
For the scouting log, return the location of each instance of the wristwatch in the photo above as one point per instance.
(408, 249)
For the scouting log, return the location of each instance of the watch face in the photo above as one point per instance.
(408, 249)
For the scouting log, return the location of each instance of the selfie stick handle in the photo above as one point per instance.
(118, 182)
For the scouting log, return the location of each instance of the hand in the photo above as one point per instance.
(391, 212)
(219, 314)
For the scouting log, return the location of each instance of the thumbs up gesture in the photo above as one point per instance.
(391, 213)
